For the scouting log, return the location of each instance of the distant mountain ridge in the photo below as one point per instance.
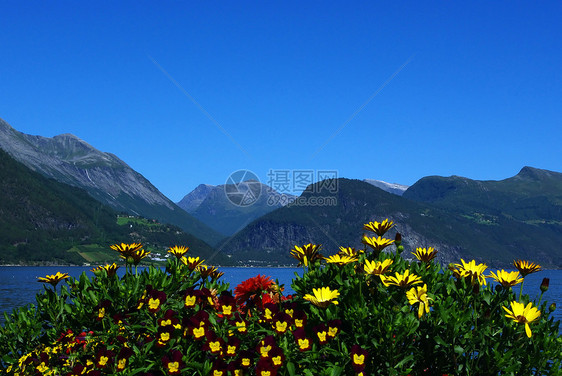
(489, 221)
(211, 205)
(191, 201)
(70, 160)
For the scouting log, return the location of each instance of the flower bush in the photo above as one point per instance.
(360, 312)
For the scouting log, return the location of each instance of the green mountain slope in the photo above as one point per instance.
(533, 196)
(44, 221)
(270, 238)
(108, 179)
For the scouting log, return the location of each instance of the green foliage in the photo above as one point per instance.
(348, 317)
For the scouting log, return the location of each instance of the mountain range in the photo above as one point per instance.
(495, 222)
(70, 160)
(490, 221)
(47, 222)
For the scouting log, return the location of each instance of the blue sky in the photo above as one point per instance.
(188, 92)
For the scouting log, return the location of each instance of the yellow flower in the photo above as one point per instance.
(419, 296)
(307, 254)
(349, 251)
(377, 267)
(379, 228)
(526, 267)
(178, 251)
(109, 269)
(53, 279)
(506, 279)
(378, 244)
(126, 250)
(340, 259)
(322, 297)
(425, 255)
(523, 315)
(192, 262)
(471, 271)
(401, 280)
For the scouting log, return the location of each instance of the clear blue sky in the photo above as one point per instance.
(188, 92)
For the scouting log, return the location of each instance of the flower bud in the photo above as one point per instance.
(552, 307)
(476, 289)
(544, 284)
(400, 249)
(398, 239)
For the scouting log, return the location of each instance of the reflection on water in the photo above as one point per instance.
(18, 284)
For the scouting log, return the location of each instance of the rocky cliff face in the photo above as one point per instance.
(70, 160)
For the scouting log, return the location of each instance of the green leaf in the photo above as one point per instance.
(291, 368)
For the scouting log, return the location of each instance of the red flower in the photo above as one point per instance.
(249, 292)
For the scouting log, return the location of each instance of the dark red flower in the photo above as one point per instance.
(299, 318)
(173, 364)
(321, 333)
(303, 342)
(164, 335)
(281, 322)
(104, 358)
(226, 304)
(155, 299)
(333, 328)
(169, 319)
(232, 346)
(269, 310)
(265, 346)
(213, 344)
(358, 358)
(239, 323)
(245, 358)
(220, 368)
(265, 367)
(277, 357)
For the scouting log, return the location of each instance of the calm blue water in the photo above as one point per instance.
(18, 284)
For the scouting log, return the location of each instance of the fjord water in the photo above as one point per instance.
(18, 284)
